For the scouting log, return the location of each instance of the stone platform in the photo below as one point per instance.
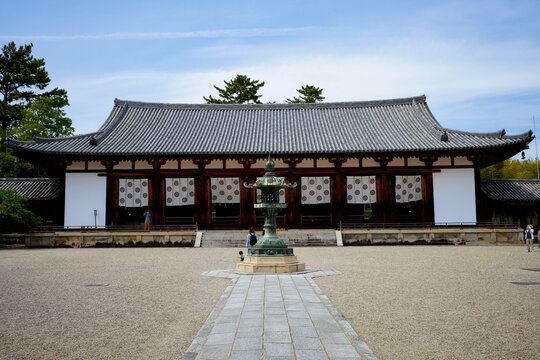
(270, 265)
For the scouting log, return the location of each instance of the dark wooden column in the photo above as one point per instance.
(292, 197)
(247, 211)
(111, 208)
(156, 195)
(477, 188)
(201, 194)
(338, 195)
(384, 193)
(428, 213)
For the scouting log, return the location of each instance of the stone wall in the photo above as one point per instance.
(449, 236)
(109, 239)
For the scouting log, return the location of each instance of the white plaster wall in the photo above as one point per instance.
(454, 196)
(85, 192)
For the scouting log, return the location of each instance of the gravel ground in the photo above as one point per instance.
(431, 302)
(153, 304)
(406, 302)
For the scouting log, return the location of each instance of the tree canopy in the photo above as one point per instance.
(239, 90)
(511, 169)
(308, 94)
(13, 213)
(23, 79)
(45, 118)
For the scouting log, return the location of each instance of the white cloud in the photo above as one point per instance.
(448, 72)
(220, 33)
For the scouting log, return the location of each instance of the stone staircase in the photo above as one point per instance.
(293, 238)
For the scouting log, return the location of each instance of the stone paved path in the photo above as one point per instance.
(276, 317)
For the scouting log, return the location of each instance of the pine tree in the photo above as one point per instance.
(308, 94)
(239, 90)
(22, 78)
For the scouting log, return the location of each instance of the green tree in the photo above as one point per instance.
(45, 118)
(511, 169)
(308, 94)
(23, 78)
(14, 216)
(239, 90)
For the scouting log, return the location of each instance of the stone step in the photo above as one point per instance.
(293, 238)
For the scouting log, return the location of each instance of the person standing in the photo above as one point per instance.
(147, 220)
(251, 238)
(529, 237)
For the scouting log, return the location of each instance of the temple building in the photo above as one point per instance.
(386, 161)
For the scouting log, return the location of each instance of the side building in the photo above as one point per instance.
(386, 161)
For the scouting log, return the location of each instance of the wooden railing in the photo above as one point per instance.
(350, 226)
(317, 221)
(113, 228)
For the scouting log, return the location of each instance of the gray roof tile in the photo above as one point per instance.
(399, 125)
(516, 190)
(32, 188)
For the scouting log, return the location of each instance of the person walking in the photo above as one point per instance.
(251, 238)
(529, 237)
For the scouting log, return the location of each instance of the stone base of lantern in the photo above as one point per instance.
(270, 265)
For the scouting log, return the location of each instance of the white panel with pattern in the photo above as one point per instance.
(133, 192)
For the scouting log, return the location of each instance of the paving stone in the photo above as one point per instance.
(301, 331)
(307, 343)
(300, 322)
(220, 339)
(272, 349)
(297, 315)
(252, 322)
(214, 352)
(246, 355)
(281, 337)
(224, 328)
(276, 326)
(249, 332)
(335, 351)
(252, 315)
(334, 338)
(311, 355)
(276, 317)
(275, 311)
(248, 344)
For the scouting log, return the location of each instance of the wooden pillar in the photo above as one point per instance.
(292, 195)
(247, 211)
(111, 208)
(477, 191)
(428, 214)
(155, 193)
(384, 193)
(202, 195)
(337, 193)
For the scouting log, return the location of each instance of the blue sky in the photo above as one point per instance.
(478, 62)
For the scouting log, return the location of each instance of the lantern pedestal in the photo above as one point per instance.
(270, 255)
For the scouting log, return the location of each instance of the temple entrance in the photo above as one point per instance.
(408, 204)
(132, 201)
(316, 207)
(224, 202)
(361, 203)
(179, 201)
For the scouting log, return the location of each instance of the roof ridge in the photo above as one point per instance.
(113, 123)
(368, 103)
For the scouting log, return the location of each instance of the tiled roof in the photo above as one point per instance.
(517, 190)
(369, 127)
(32, 188)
